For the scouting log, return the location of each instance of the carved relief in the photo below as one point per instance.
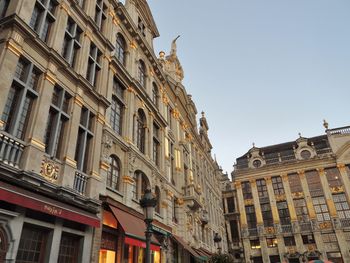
(49, 169)
(107, 143)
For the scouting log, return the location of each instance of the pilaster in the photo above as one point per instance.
(308, 199)
(259, 218)
(327, 193)
(59, 28)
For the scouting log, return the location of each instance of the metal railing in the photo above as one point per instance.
(80, 182)
(11, 149)
(341, 130)
(286, 228)
(253, 231)
(305, 226)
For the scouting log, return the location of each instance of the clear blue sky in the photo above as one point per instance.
(262, 70)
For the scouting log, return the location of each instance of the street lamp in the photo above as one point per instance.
(217, 241)
(148, 203)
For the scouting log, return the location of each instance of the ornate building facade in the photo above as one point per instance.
(90, 118)
(293, 200)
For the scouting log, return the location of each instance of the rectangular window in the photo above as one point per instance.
(262, 190)
(94, 66)
(32, 245)
(283, 213)
(156, 144)
(271, 242)
(21, 96)
(57, 122)
(71, 42)
(117, 107)
(314, 183)
(251, 218)
(277, 185)
(289, 241)
(247, 190)
(333, 177)
(308, 239)
(301, 210)
(43, 17)
(321, 209)
(172, 160)
(342, 206)
(295, 183)
(267, 214)
(329, 238)
(84, 141)
(4, 4)
(231, 204)
(100, 14)
(69, 248)
(169, 117)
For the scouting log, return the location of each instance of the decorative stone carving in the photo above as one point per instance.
(132, 160)
(49, 169)
(336, 223)
(295, 227)
(107, 143)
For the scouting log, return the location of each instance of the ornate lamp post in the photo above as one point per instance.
(148, 203)
(217, 241)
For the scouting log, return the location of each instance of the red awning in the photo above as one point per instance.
(134, 228)
(18, 196)
(183, 243)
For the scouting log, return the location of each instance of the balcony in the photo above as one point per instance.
(305, 226)
(80, 182)
(11, 149)
(286, 228)
(253, 231)
(192, 197)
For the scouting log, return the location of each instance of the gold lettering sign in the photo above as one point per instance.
(52, 210)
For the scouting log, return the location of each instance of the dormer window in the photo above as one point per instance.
(141, 27)
(257, 163)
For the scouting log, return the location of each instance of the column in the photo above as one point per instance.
(275, 216)
(59, 28)
(83, 54)
(25, 9)
(56, 239)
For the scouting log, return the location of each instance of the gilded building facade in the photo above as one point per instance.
(293, 199)
(90, 118)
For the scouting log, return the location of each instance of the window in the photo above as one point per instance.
(57, 122)
(271, 242)
(120, 49)
(140, 185)
(247, 190)
(321, 209)
(155, 94)
(267, 215)
(308, 239)
(262, 189)
(289, 241)
(157, 195)
(94, 66)
(43, 17)
(329, 238)
(100, 14)
(174, 210)
(71, 42)
(69, 248)
(255, 244)
(84, 141)
(4, 4)
(21, 96)
(333, 177)
(314, 183)
(117, 107)
(169, 116)
(231, 204)
(301, 210)
(342, 206)
(32, 245)
(294, 183)
(283, 213)
(141, 130)
(251, 218)
(113, 174)
(172, 166)
(277, 185)
(156, 144)
(142, 73)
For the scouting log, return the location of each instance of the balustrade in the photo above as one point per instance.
(11, 149)
(80, 182)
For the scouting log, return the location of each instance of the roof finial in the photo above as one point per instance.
(299, 133)
(203, 113)
(325, 124)
(253, 144)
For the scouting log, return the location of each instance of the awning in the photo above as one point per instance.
(19, 196)
(187, 247)
(205, 254)
(134, 229)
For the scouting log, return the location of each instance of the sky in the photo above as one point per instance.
(262, 70)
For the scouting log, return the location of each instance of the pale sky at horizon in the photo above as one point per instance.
(262, 71)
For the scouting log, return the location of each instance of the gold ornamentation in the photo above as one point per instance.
(252, 182)
(49, 169)
(280, 197)
(337, 189)
(248, 202)
(301, 173)
(79, 100)
(270, 230)
(128, 179)
(133, 44)
(165, 204)
(65, 8)
(14, 48)
(320, 170)
(38, 144)
(179, 201)
(341, 166)
(325, 225)
(238, 185)
(169, 193)
(101, 119)
(268, 180)
(70, 162)
(50, 77)
(104, 166)
(284, 177)
(297, 195)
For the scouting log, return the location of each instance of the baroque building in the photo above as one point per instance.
(90, 118)
(293, 200)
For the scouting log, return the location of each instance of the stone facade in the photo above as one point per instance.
(293, 200)
(90, 118)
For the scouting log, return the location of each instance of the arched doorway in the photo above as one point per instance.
(3, 245)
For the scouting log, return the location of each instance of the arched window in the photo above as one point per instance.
(113, 174)
(117, 107)
(141, 130)
(155, 94)
(3, 244)
(120, 49)
(157, 196)
(142, 73)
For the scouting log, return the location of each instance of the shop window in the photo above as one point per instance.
(32, 245)
(255, 244)
(69, 248)
(108, 248)
(271, 242)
